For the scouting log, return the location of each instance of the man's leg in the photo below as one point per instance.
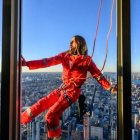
(53, 116)
(40, 106)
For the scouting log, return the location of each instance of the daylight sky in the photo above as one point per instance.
(48, 26)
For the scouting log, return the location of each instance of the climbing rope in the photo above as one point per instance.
(108, 34)
(97, 25)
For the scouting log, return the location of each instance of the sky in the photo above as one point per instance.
(49, 25)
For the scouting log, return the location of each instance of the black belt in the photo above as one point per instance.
(65, 95)
(67, 98)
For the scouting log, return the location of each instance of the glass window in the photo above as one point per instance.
(135, 50)
(48, 27)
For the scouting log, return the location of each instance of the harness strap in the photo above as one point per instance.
(67, 98)
(60, 88)
(99, 77)
(44, 61)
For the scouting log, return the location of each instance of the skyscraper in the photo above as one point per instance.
(97, 132)
(86, 127)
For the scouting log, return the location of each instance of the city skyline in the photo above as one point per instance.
(97, 103)
(48, 26)
(101, 105)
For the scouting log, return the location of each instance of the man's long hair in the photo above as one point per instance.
(81, 46)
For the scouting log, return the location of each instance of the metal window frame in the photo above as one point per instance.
(124, 130)
(10, 86)
(10, 75)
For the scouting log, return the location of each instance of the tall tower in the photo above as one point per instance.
(113, 134)
(37, 130)
(28, 131)
(33, 130)
(86, 127)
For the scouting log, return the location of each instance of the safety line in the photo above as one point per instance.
(108, 34)
(97, 25)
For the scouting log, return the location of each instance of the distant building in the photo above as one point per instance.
(113, 134)
(35, 130)
(135, 134)
(80, 132)
(66, 114)
(97, 132)
(134, 120)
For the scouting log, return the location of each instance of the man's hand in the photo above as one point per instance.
(114, 90)
(23, 61)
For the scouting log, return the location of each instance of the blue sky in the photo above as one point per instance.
(135, 35)
(48, 26)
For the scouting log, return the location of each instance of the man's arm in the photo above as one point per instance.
(46, 62)
(96, 73)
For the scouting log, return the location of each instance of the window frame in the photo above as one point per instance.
(124, 128)
(11, 70)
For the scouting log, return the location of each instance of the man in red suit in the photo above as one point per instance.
(76, 63)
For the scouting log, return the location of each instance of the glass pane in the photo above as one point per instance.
(48, 27)
(135, 57)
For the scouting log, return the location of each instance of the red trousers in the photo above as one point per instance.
(56, 102)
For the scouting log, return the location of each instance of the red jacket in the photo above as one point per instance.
(75, 68)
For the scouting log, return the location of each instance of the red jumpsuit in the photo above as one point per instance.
(75, 68)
